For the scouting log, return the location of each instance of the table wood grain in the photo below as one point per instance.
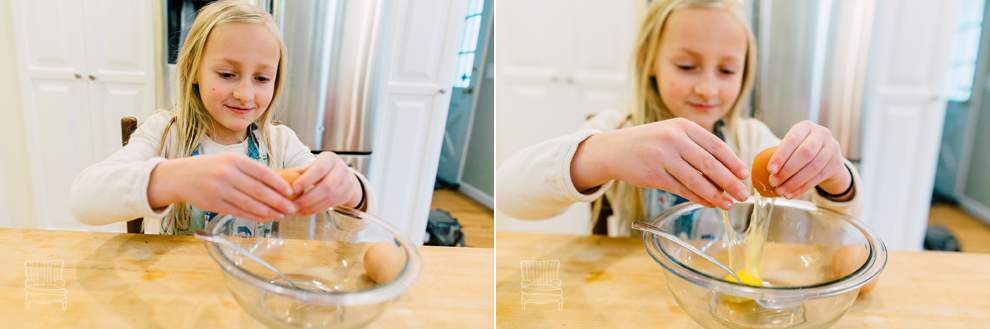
(614, 283)
(116, 280)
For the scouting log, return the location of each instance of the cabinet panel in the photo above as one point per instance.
(535, 44)
(117, 44)
(52, 45)
(524, 116)
(115, 101)
(63, 132)
(423, 45)
(604, 35)
(408, 127)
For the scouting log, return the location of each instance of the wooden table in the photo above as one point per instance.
(614, 283)
(155, 281)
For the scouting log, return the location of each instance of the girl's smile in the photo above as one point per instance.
(703, 107)
(239, 110)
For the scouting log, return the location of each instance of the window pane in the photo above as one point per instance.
(965, 48)
(469, 41)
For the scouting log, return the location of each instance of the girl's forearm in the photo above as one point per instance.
(589, 167)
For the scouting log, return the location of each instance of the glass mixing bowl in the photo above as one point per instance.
(323, 257)
(800, 289)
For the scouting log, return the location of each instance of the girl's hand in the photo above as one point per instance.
(670, 155)
(808, 156)
(335, 185)
(224, 183)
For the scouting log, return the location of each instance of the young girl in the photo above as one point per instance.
(215, 150)
(686, 136)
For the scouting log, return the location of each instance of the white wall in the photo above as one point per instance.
(16, 202)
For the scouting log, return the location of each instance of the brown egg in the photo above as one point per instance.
(761, 174)
(384, 261)
(848, 259)
(289, 176)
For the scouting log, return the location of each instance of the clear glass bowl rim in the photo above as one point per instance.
(874, 264)
(377, 294)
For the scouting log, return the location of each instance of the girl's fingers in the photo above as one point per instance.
(813, 168)
(833, 166)
(319, 193)
(232, 208)
(316, 171)
(277, 204)
(717, 148)
(795, 136)
(675, 186)
(805, 152)
(717, 173)
(263, 174)
(252, 206)
(692, 179)
(337, 194)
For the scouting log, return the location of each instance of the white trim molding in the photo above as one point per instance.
(975, 208)
(477, 195)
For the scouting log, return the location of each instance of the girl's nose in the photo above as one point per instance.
(244, 92)
(707, 87)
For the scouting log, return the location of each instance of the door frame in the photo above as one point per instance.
(487, 21)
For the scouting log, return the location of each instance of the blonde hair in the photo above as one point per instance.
(191, 120)
(649, 107)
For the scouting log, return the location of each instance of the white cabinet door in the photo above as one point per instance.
(603, 34)
(905, 111)
(119, 57)
(49, 38)
(419, 64)
(72, 121)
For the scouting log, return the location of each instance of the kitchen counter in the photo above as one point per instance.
(614, 283)
(117, 280)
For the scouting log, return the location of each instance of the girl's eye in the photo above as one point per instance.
(263, 79)
(225, 75)
(727, 72)
(685, 67)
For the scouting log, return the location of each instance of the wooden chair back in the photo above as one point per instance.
(127, 127)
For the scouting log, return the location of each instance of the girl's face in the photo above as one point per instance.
(700, 64)
(236, 77)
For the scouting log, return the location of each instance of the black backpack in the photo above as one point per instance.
(442, 229)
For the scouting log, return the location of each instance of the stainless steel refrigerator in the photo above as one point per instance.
(812, 57)
(334, 72)
(333, 68)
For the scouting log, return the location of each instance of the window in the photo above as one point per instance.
(965, 47)
(469, 41)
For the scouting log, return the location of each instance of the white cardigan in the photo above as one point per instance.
(116, 189)
(535, 183)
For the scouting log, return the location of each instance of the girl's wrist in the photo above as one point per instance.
(838, 188)
(159, 188)
(359, 201)
(587, 168)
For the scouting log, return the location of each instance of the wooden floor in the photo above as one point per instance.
(973, 235)
(478, 221)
